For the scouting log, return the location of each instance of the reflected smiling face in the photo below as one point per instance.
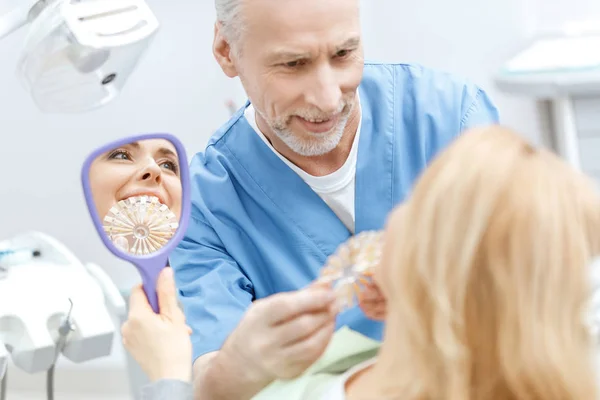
(148, 167)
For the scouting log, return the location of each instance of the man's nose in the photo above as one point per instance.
(325, 93)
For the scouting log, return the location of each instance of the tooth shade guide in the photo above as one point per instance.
(140, 225)
(349, 268)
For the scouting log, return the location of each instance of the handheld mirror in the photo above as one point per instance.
(137, 193)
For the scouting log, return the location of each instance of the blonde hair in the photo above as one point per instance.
(487, 275)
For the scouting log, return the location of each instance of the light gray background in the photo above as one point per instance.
(178, 88)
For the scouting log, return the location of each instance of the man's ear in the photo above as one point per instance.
(222, 52)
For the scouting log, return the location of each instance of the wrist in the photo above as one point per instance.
(249, 380)
(177, 373)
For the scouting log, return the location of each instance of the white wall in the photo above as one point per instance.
(468, 37)
(553, 15)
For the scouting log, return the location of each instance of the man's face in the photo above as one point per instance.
(301, 64)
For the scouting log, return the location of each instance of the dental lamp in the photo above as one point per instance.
(51, 304)
(78, 54)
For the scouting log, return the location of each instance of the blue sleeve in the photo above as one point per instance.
(213, 290)
(480, 110)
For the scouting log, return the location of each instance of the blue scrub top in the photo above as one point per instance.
(257, 228)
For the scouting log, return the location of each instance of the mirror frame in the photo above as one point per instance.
(163, 253)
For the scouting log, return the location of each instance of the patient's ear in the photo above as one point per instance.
(223, 52)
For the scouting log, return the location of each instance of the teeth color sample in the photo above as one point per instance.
(140, 225)
(352, 264)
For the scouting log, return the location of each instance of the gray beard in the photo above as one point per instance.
(315, 146)
(312, 147)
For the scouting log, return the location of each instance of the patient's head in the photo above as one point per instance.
(486, 274)
(147, 167)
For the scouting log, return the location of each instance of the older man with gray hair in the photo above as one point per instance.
(325, 148)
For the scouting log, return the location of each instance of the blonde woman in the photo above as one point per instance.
(486, 274)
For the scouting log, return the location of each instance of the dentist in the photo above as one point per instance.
(325, 148)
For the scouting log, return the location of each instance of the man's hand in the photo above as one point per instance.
(279, 337)
(160, 343)
(282, 335)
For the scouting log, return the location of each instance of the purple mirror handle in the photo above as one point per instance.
(150, 269)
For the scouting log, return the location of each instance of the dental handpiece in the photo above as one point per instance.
(3, 359)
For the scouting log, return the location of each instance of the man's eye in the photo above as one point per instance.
(294, 64)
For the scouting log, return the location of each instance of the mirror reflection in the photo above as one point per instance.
(137, 193)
